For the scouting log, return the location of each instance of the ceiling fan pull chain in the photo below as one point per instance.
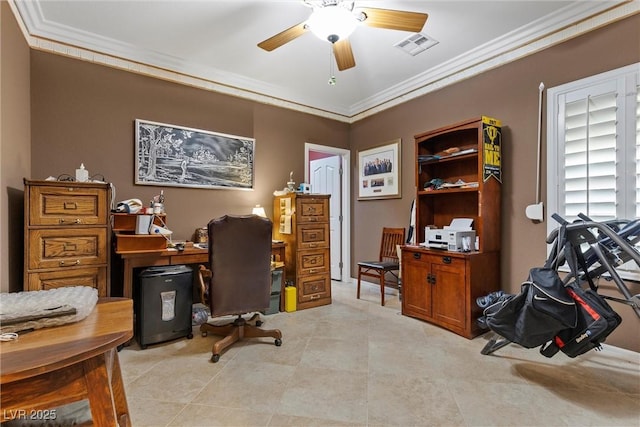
(332, 77)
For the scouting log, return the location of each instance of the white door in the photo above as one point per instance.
(324, 177)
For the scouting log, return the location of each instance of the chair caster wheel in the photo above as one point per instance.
(278, 342)
(258, 323)
(190, 336)
(203, 334)
(215, 358)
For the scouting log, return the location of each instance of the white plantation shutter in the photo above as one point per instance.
(590, 157)
(593, 149)
(637, 151)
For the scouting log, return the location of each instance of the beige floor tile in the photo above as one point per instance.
(195, 415)
(247, 385)
(357, 363)
(326, 393)
(293, 421)
(264, 351)
(135, 362)
(292, 325)
(336, 354)
(347, 330)
(175, 379)
(416, 401)
(407, 360)
(152, 413)
(483, 403)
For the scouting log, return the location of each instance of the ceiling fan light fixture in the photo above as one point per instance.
(332, 23)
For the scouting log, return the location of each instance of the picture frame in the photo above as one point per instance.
(178, 156)
(379, 172)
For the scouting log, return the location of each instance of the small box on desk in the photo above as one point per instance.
(139, 242)
(127, 222)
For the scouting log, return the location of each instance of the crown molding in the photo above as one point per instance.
(48, 36)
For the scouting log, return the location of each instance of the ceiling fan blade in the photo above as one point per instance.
(394, 19)
(283, 37)
(344, 55)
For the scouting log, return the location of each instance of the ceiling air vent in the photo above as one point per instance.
(416, 43)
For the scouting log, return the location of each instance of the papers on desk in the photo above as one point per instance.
(285, 215)
(285, 224)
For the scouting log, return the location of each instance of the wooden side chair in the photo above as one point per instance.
(388, 263)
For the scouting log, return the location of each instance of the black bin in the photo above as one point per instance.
(163, 302)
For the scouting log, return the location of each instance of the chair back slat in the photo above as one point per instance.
(391, 237)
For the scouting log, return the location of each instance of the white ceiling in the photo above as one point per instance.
(212, 44)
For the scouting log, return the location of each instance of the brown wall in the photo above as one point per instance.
(509, 93)
(15, 149)
(83, 112)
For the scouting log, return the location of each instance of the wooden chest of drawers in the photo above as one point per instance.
(66, 235)
(302, 222)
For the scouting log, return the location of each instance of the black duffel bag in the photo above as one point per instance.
(596, 320)
(535, 315)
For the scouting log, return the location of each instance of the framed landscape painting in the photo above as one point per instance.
(169, 155)
(379, 172)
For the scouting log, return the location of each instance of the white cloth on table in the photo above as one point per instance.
(21, 311)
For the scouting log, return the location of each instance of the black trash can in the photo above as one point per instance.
(163, 299)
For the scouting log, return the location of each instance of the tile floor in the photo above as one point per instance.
(355, 363)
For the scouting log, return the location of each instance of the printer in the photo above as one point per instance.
(458, 236)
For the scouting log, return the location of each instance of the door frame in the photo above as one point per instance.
(345, 203)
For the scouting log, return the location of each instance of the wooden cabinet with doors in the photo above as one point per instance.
(442, 287)
(66, 235)
(301, 221)
(458, 175)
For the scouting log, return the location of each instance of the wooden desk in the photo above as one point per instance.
(137, 259)
(54, 366)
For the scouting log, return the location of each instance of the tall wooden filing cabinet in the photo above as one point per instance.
(302, 222)
(66, 235)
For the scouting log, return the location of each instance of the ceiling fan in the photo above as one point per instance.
(335, 20)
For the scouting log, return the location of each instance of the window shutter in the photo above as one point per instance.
(590, 181)
(593, 150)
(638, 152)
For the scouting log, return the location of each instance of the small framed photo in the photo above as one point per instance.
(379, 172)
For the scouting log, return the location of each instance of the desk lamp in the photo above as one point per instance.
(259, 210)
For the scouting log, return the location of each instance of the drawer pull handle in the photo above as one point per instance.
(311, 271)
(313, 261)
(70, 205)
(64, 264)
(316, 296)
(72, 221)
(70, 247)
(312, 245)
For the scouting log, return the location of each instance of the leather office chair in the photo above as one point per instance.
(388, 262)
(239, 281)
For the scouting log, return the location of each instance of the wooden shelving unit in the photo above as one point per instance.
(441, 286)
